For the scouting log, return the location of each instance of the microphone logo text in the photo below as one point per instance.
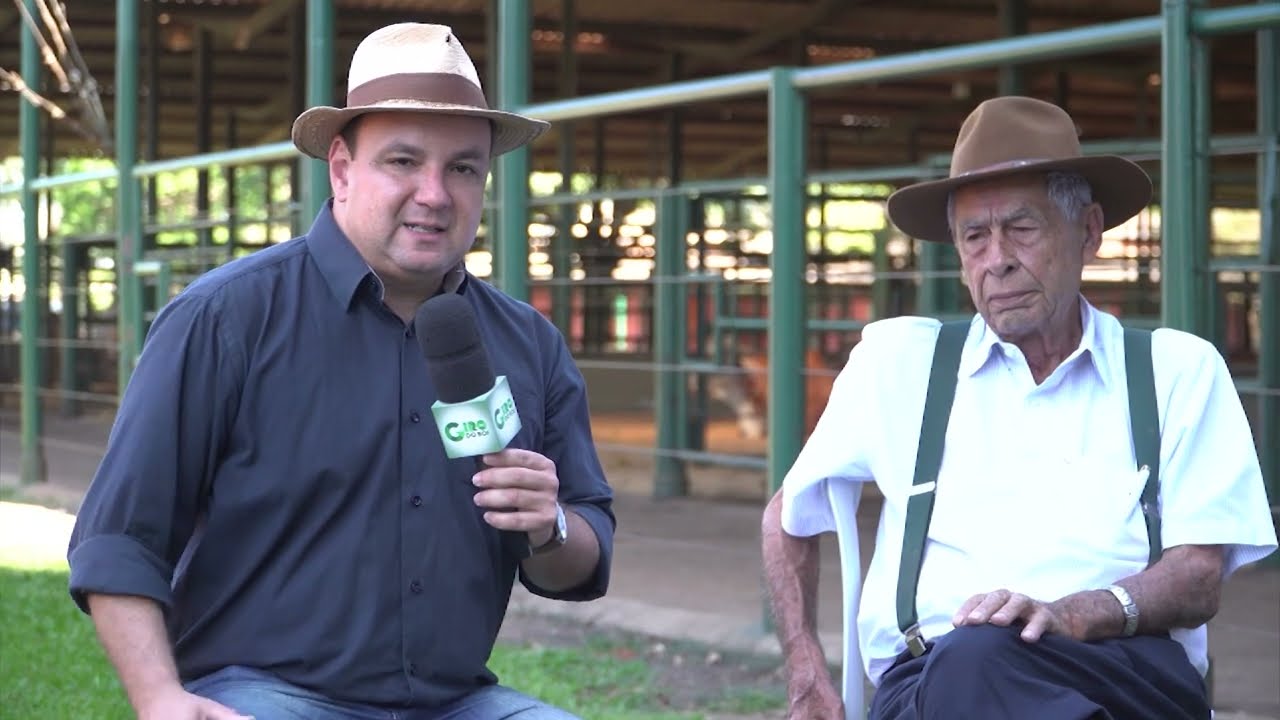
(504, 413)
(458, 431)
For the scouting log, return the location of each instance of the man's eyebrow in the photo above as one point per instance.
(973, 224)
(1015, 215)
(1022, 213)
(471, 153)
(405, 148)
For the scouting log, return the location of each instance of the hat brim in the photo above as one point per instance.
(1121, 187)
(314, 129)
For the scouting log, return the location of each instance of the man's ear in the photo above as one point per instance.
(1092, 232)
(339, 166)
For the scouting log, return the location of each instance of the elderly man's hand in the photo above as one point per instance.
(819, 701)
(1005, 607)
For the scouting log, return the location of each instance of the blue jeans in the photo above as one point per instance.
(266, 697)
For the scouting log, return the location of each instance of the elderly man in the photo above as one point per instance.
(1034, 568)
(275, 531)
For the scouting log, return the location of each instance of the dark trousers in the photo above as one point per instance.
(989, 672)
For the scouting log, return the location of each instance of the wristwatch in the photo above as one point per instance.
(559, 534)
(1130, 609)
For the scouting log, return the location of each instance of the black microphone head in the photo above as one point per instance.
(450, 340)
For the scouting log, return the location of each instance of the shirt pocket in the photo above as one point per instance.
(1039, 524)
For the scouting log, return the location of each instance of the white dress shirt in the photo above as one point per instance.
(1038, 491)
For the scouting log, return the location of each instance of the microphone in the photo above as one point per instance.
(475, 413)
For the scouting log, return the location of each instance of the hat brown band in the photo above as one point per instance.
(446, 88)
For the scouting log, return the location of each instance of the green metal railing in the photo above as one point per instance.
(320, 37)
(32, 468)
(511, 260)
(1268, 125)
(787, 141)
(129, 199)
(1184, 148)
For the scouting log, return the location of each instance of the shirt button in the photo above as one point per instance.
(415, 587)
(414, 417)
(416, 501)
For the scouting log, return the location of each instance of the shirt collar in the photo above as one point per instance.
(343, 268)
(980, 347)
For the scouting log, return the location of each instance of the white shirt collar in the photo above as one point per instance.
(983, 343)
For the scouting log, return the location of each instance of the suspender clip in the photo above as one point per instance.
(915, 641)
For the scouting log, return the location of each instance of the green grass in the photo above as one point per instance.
(51, 666)
(50, 663)
(588, 681)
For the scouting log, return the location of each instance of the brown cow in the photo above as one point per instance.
(818, 380)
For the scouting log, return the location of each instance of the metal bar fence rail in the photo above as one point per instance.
(1041, 46)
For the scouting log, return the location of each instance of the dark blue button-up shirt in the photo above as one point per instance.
(271, 482)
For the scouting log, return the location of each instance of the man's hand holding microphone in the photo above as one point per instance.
(519, 490)
(476, 417)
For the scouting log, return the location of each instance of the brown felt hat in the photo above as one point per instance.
(411, 67)
(1009, 135)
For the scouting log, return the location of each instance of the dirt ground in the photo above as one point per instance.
(686, 676)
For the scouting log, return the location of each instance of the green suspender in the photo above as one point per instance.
(1144, 424)
(933, 430)
(1143, 420)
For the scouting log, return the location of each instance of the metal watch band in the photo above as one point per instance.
(1129, 607)
(559, 534)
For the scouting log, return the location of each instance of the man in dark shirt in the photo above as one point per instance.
(275, 530)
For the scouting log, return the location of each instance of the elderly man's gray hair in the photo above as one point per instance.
(1068, 190)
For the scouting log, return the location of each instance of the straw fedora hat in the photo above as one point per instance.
(1009, 135)
(411, 67)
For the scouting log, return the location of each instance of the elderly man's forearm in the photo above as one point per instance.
(1182, 590)
(791, 576)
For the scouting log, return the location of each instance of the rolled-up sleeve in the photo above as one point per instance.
(568, 443)
(145, 500)
(1211, 487)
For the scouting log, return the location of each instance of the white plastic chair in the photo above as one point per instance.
(844, 497)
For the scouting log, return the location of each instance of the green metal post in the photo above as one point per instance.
(1184, 225)
(668, 341)
(787, 143)
(562, 248)
(511, 241)
(880, 285)
(938, 293)
(32, 469)
(70, 326)
(1269, 284)
(164, 281)
(320, 51)
(1013, 22)
(1208, 304)
(562, 243)
(128, 207)
(202, 73)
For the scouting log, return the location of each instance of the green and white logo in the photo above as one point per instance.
(458, 431)
(478, 426)
(504, 413)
